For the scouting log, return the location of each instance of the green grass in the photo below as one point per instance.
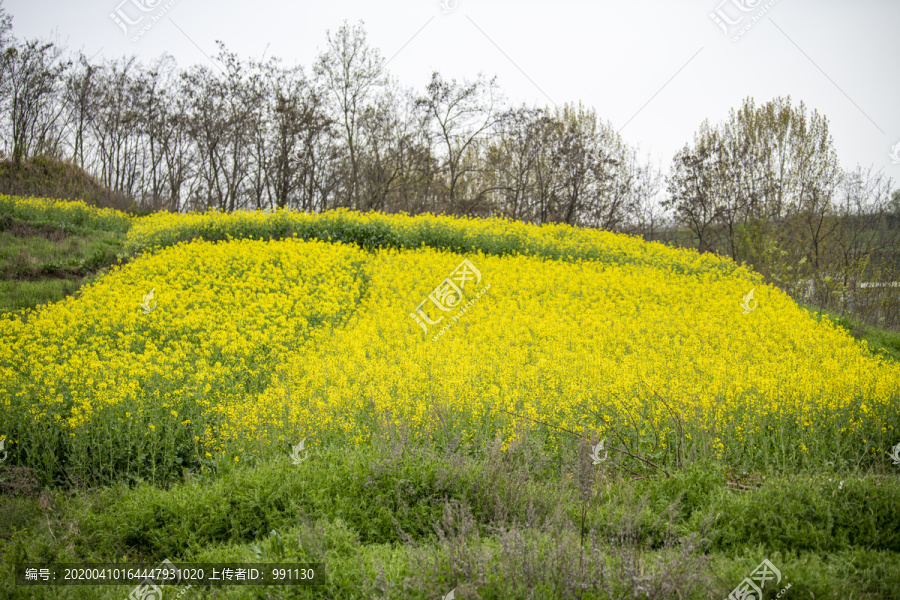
(74, 254)
(397, 519)
(44, 261)
(19, 296)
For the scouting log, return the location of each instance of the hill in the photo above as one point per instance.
(46, 177)
(426, 404)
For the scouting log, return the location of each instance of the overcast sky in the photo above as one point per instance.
(653, 68)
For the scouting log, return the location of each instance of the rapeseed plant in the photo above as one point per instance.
(252, 344)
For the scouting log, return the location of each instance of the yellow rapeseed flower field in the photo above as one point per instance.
(492, 236)
(248, 346)
(635, 351)
(126, 383)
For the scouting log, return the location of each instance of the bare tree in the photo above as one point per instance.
(154, 92)
(646, 184)
(351, 72)
(223, 114)
(116, 127)
(7, 41)
(299, 126)
(511, 162)
(691, 186)
(32, 73)
(178, 152)
(80, 97)
(460, 117)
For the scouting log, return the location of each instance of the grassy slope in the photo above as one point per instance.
(46, 177)
(43, 262)
(508, 523)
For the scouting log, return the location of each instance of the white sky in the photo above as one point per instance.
(653, 68)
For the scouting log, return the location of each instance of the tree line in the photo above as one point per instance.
(763, 187)
(257, 134)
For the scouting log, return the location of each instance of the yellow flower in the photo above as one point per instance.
(320, 340)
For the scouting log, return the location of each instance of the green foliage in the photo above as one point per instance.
(693, 488)
(384, 497)
(28, 252)
(814, 513)
(47, 249)
(407, 521)
(462, 235)
(19, 295)
(895, 203)
(757, 244)
(64, 215)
